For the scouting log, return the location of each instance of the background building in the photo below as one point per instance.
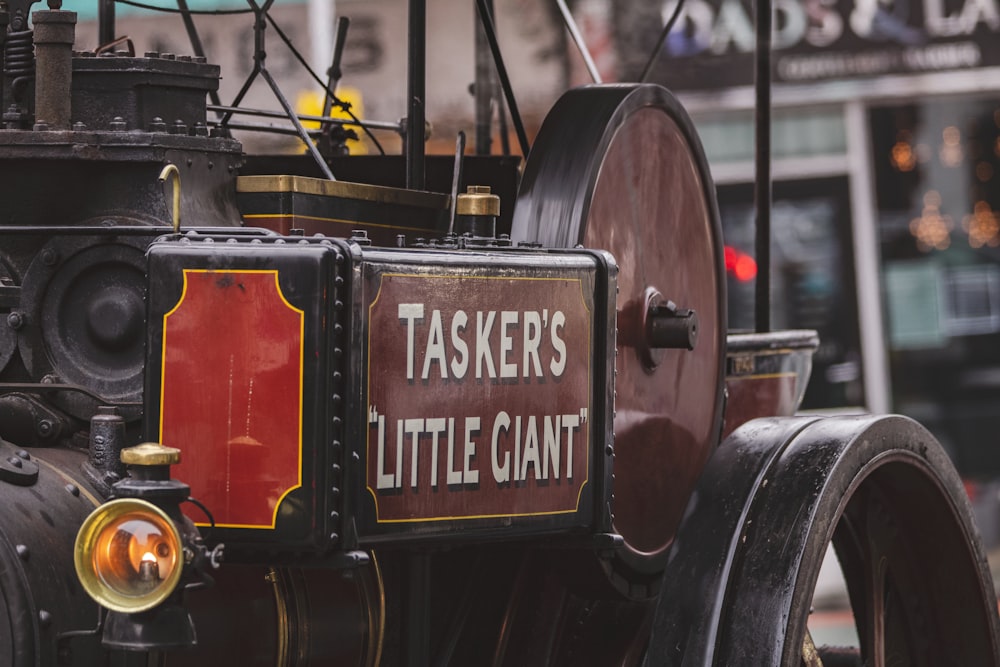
(887, 148)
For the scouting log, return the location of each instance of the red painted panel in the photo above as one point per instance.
(231, 395)
(479, 396)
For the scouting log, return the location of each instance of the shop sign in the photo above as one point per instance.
(712, 44)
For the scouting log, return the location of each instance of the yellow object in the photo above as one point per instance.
(128, 555)
(151, 454)
(478, 200)
(310, 103)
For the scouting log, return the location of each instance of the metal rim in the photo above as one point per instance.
(887, 543)
(620, 168)
(774, 496)
(884, 492)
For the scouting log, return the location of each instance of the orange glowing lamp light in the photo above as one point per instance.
(129, 555)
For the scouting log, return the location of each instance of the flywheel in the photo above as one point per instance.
(620, 168)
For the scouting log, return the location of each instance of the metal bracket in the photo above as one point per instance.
(17, 466)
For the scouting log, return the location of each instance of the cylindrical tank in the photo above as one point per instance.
(45, 616)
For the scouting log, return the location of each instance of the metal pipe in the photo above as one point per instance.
(55, 31)
(265, 113)
(415, 85)
(762, 166)
(105, 21)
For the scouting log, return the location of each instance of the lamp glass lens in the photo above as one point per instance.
(135, 554)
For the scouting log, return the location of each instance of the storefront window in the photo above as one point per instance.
(812, 277)
(937, 171)
(798, 132)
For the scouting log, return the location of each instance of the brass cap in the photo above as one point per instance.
(150, 454)
(477, 200)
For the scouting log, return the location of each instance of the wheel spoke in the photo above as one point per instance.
(810, 656)
(874, 566)
(873, 647)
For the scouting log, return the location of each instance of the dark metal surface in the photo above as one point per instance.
(83, 303)
(44, 613)
(620, 167)
(72, 291)
(141, 89)
(738, 587)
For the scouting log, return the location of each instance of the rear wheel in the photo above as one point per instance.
(883, 491)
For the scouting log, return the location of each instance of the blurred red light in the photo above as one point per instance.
(730, 253)
(741, 265)
(745, 269)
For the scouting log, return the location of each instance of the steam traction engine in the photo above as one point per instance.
(394, 429)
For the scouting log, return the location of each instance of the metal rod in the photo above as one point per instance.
(456, 177)
(265, 113)
(261, 127)
(491, 35)
(415, 85)
(48, 388)
(667, 27)
(310, 146)
(762, 168)
(574, 32)
(334, 73)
